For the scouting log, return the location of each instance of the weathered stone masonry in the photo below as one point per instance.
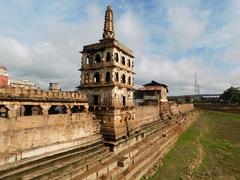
(94, 133)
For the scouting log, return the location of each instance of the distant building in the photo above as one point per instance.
(54, 87)
(154, 92)
(23, 84)
(4, 77)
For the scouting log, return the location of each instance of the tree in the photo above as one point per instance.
(231, 95)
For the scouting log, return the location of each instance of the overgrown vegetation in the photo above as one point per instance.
(231, 95)
(209, 149)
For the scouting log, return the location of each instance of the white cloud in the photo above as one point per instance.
(48, 51)
(13, 51)
(184, 28)
(53, 54)
(131, 31)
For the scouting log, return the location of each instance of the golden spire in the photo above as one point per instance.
(108, 31)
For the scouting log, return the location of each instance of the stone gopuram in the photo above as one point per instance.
(107, 80)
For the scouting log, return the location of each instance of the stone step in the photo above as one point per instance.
(143, 164)
(49, 160)
(59, 169)
(95, 139)
(84, 170)
(45, 164)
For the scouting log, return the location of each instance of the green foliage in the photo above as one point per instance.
(231, 95)
(137, 95)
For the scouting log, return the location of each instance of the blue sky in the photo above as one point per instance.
(172, 39)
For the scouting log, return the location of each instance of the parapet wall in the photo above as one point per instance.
(27, 136)
(40, 93)
(148, 114)
(181, 108)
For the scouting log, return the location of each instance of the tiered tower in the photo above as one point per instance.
(107, 79)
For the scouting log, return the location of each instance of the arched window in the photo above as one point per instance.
(123, 79)
(123, 60)
(96, 77)
(116, 77)
(108, 57)
(116, 57)
(3, 112)
(86, 78)
(37, 110)
(107, 77)
(57, 110)
(129, 80)
(97, 58)
(129, 63)
(87, 60)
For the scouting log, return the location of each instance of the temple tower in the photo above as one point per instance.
(107, 79)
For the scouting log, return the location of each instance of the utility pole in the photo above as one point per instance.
(195, 85)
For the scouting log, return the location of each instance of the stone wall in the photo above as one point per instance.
(147, 114)
(27, 136)
(181, 108)
(227, 107)
(40, 93)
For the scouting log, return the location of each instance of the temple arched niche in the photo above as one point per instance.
(108, 77)
(97, 58)
(116, 58)
(96, 77)
(87, 60)
(3, 111)
(54, 109)
(123, 78)
(123, 60)
(108, 57)
(86, 78)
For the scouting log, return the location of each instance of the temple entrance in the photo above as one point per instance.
(95, 100)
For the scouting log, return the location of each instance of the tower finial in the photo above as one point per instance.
(108, 31)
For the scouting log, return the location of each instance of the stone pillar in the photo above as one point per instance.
(12, 111)
(86, 105)
(45, 109)
(69, 109)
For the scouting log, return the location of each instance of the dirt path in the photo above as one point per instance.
(195, 163)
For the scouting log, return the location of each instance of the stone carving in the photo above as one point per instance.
(108, 31)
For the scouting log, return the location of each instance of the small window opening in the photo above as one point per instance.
(86, 78)
(108, 77)
(123, 79)
(95, 100)
(116, 77)
(129, 63)
(108, 58)
(97, 58)
(116, 57)
(87, 60)
(123, 60)
(129, 80)
(124, 100)
(96, 77)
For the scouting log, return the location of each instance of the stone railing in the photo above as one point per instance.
(40, 93)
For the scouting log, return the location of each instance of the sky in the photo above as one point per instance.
(172, 40)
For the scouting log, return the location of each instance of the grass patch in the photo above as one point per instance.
(218, 136)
